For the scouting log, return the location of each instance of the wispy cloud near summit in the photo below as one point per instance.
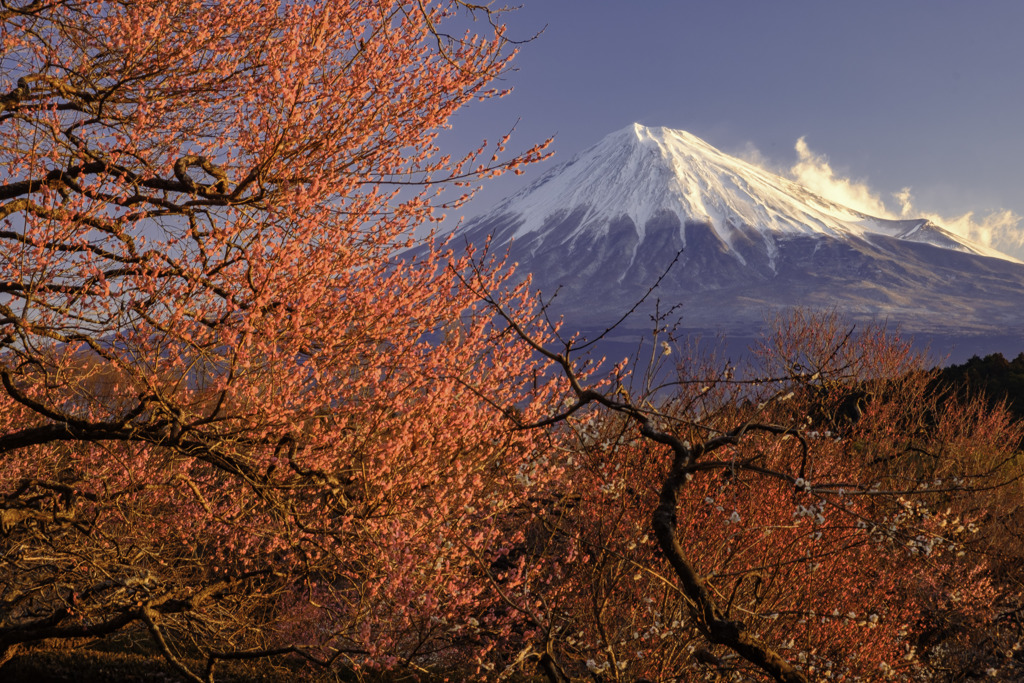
(814, 172)
(1002, 230)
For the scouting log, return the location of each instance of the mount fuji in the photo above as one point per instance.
(600, 229)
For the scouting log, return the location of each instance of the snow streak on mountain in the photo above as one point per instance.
(602, 227)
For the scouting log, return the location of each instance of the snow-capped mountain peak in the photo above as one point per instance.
(639, 172)
(731, 243)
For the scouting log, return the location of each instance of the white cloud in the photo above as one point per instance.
(1002, 230)
(814, 172)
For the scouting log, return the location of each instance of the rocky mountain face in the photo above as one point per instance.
(602, 228)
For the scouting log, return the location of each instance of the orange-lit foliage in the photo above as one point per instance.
(836, 535)
(237, 423)
(226, 404)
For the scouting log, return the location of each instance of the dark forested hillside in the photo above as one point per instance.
(1000, 380)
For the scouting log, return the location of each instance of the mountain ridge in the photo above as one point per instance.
(601, 228)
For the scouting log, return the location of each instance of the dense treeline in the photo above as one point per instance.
(994, 377)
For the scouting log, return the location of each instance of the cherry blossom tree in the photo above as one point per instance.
(806, 518)
(243, 423)
(233, 419)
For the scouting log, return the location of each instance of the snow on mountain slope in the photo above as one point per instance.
(595, 233)
(640, 172)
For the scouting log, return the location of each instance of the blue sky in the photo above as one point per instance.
(886, 94)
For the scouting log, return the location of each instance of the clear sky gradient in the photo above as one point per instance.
(886, 94)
